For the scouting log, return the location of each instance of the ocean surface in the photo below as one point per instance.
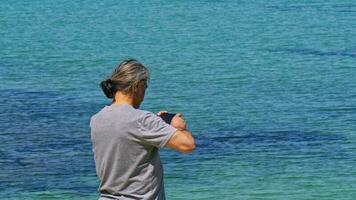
(268, 89)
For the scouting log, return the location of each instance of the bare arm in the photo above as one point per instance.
(182, 140)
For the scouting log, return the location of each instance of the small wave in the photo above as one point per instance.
(305, 51)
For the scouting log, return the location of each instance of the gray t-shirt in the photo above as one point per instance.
(125, 144)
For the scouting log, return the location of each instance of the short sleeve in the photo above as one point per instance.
(154, 131)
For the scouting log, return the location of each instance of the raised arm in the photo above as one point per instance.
(182, 140)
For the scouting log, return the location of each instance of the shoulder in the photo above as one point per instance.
(97, 116)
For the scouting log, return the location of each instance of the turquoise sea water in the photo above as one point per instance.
(267, 88)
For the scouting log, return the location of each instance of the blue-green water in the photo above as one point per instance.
(267, 88)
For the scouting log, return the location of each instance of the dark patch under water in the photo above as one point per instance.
(321, 145)
(45, 140)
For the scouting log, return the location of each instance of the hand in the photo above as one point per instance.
(178, 122)
(161, 113)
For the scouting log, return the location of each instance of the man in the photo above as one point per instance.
(126, 139)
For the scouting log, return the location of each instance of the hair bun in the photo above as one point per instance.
(107, 87)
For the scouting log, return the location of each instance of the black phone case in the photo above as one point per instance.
(168, 117)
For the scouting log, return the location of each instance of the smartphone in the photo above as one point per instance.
(167, 117)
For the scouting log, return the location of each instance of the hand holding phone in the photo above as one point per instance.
(167, 117)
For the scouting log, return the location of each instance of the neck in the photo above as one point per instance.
(121, 99)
